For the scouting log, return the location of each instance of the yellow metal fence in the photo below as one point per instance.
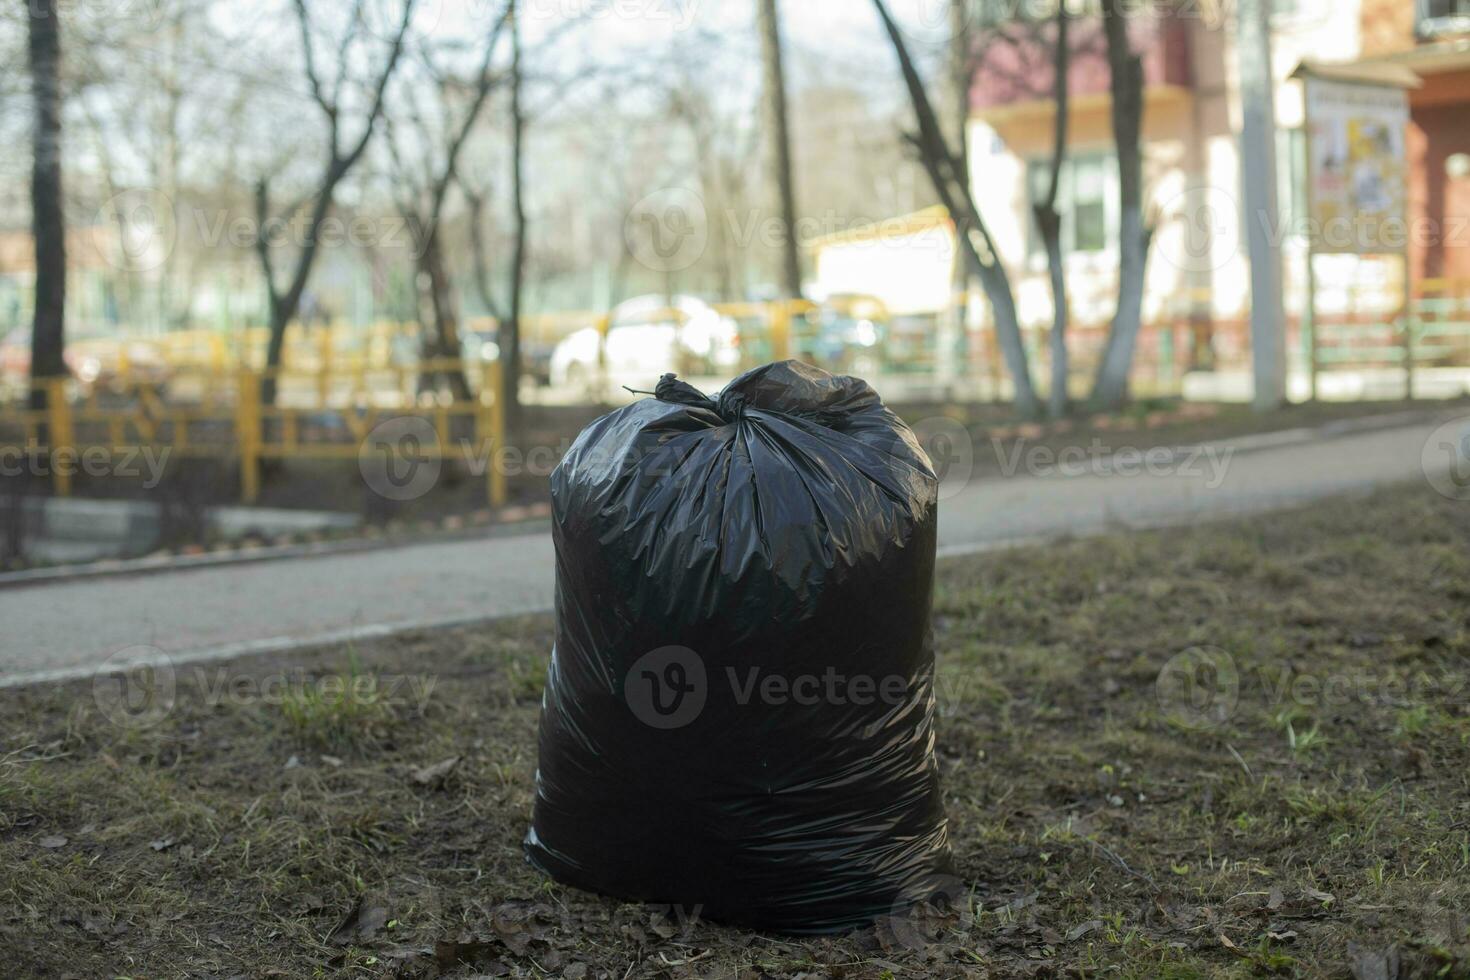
(228, 419)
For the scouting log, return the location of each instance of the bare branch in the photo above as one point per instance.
(262, 247)
(303, 21)
(379, 89)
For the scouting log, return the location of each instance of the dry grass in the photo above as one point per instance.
(280, 819)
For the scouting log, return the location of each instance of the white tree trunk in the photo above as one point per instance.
(1258, 177)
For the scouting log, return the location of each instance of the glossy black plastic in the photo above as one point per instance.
(739, 710)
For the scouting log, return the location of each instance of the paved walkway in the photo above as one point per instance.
(67, 628)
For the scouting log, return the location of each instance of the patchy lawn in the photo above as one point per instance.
(304, 818)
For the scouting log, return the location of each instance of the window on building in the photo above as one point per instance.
(1086, 200)
(1435, 18)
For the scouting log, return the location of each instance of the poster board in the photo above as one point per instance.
(1356, 119)
(1356, 165)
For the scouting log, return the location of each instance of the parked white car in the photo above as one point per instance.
(649, 336)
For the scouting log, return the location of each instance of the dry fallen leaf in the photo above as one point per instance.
(52, 842)
(449, 952)
(362, 921)
(1373, 964)
(436, 775)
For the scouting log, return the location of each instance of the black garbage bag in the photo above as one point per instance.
(739, 710)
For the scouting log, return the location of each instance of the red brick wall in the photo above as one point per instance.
(1439, 206)
(1388, 25)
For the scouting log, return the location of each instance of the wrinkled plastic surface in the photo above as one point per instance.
(705, 546)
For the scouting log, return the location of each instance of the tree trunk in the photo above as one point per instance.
(510, 329)
(1049, 222)
(340, 161)
(961, 69)
(48, 224)
(778, 131)
(1258, 173)
(479, 253)
(443, 308)
(1110, 388)
(952, 188)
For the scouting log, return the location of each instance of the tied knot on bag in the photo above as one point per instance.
(730, 406)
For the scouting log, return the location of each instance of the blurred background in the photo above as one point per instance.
(242, 236)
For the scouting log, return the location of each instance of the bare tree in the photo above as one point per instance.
(1049, 221)
(962, 67)
(149, 92)
(343, 154)
(1110, 388)
(951, 184)
(779, 133)
(725, 143)
(48, 225)
(510, 328)
(421, 191)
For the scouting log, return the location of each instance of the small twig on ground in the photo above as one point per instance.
(1116, 859)
(1248, 774)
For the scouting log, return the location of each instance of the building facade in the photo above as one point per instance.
(1197, 299)
(1198, 268)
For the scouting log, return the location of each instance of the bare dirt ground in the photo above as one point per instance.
(1302, 810)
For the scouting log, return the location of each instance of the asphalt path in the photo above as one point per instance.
(69, 628)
